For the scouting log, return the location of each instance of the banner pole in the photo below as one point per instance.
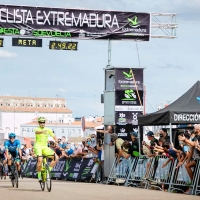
(136, 89)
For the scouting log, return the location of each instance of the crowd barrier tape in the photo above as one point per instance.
(68, 169)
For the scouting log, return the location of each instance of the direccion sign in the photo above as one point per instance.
(36, 33)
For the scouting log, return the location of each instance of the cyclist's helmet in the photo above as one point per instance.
(12, 135)
(41, 119)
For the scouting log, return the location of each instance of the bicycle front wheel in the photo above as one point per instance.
(42, 185)
(16, 180)
(48, 179)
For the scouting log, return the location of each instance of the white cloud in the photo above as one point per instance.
(61, 90)
(7, 54)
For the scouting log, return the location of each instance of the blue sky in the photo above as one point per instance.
(171, 65)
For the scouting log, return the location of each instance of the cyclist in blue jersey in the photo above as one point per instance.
(12, 148)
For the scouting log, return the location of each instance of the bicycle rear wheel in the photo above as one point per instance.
(12, 180)
(1, 171)
(48, 179)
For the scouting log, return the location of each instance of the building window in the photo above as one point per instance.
(62, 130)
(27, 129)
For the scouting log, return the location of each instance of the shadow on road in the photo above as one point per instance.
(3, 186)
(25, 190)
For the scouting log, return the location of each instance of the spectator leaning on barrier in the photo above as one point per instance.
(194, 151)
(68, 150)
(164, 135)
(153, 140)
(60, 142)
(134, 150)
(185, 151)
(169, 151)
(78, 151)
(92, 152)
(121, 146)
(55, 148)
(109, 130)
(93, 145)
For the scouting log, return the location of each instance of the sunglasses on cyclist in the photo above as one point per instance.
(12, 137)
(42, 122)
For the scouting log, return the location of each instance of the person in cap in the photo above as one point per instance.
(153, 140)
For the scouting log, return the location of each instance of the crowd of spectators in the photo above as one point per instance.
(186, 152)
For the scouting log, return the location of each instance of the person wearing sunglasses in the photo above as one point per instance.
(12, 149)
(41, 146)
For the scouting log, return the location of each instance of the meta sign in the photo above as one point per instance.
(27, 42)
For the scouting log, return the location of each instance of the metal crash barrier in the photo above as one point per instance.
(119, 171)
(196, 181)
(137, 172)
(160, 176)
(152, 173)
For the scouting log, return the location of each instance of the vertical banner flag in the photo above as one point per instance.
(128, 99)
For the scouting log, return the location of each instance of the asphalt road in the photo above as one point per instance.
(30, 189)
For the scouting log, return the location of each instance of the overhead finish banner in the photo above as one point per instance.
(73, 23)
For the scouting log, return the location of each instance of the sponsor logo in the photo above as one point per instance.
(129, 95)
(128, 76)
(135, 119)
(82, 33)
(135, 108)
(133, 22)
(122, 119)
(122, 132)
(36, 33)
(65, 174)
(128, 81)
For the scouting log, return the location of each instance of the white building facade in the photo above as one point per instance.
(15, 111)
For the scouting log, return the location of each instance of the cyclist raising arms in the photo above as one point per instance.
(41, 147)
(12, 148)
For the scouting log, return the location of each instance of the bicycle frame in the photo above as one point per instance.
(14, 177)
(45, 173)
